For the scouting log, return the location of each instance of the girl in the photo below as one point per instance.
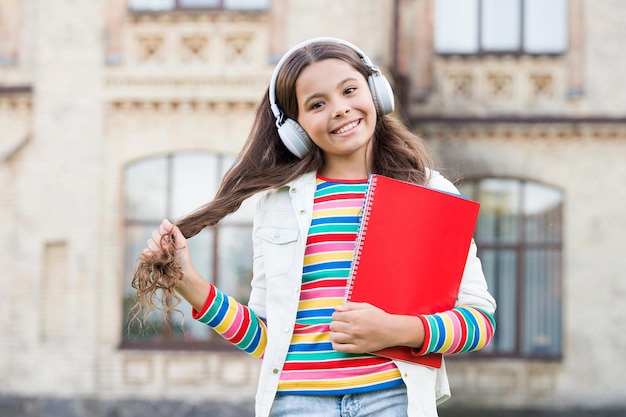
(320, 131)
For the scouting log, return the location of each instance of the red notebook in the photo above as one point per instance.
(410, 253)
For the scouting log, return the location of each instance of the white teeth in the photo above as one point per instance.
(346, 127)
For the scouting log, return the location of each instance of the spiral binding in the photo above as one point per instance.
(362, 232)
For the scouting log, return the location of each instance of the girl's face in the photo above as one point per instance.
(336, 109)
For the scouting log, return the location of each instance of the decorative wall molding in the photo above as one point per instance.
(15, 98)
(523, 131)
(177, 36)
(16, 110)
(189, 57)
(174, 106)
(484, 84)
(496, 85)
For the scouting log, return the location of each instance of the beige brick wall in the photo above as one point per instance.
(604, 57)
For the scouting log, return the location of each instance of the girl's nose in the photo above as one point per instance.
(341, 110)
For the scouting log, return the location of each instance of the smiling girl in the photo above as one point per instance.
(320, 131)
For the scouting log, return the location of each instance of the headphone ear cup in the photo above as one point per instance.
(381, 93)
(295, 138)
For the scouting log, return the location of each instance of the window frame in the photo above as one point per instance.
(521, 51)
(521, 249)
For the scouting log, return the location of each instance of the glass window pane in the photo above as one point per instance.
(545, 26)
(151, 4)
(500, 271)
(200, 3)
(498, 219)
(194, 330)
(141, 329)
(501, 25)
(542, 304)
(235, 262)
(146, 189)
(201, 250)
(467, 189)
(542, 210)
(456, 26)
(247, 4)
(245, 213)
(226, 162)
(136, 237)
(194, 182)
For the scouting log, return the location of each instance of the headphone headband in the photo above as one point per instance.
(272, 90)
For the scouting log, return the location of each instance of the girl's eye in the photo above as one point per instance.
(349, 90)
(316, 105)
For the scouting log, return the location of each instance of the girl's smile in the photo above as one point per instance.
(347, 127)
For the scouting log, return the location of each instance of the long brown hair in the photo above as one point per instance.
(265, 163)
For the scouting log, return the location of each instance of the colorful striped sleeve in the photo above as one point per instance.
(462, 329)
(234, 322)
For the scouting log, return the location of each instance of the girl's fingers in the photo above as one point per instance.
(166, 231)
(166, 227)
(156, 235)
(153, 246)
(149, 250)
(174, 232)
(154, 243)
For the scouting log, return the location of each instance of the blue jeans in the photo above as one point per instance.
(391, 402)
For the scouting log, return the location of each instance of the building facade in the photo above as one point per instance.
(115, 114)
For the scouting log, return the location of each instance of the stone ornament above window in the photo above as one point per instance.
(150, 48)
(194, 48)
(499, 85)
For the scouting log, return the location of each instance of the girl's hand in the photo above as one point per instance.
(192, 286)
(163, 236)
(362, 327)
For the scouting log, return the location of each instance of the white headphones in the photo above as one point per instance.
(291, 133)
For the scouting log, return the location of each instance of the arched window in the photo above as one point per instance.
(170, 187)
(519, 238)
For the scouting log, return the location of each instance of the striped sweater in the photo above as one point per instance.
(312, 366)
